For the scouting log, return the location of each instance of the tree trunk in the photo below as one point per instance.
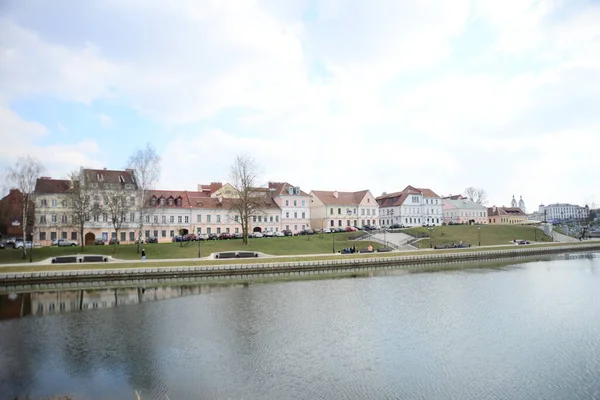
(24, 227)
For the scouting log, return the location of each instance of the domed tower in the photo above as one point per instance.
(513, 203)
(522, 204)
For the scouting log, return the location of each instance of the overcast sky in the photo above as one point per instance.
(324, 94)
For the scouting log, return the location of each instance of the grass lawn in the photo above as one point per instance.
(489, 234)
(25, 267)
(289, 245)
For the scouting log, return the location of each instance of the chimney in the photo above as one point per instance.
(105, 168)
(336, 194)
(46, 178)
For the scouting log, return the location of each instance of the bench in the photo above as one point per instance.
(64, 260)
(366, 251)
(384, 250)
(246, 254)
(227, 254)
(94, 259)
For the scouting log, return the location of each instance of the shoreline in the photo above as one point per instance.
(256, 268)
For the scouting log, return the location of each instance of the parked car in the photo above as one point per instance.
(151, 240)
(177, 239)
(351, 229)
(113, 241)
(287, 232)
(65, 242)
(326, 230)
(190, 237)
(257, 234)
(268, 234)
(225, 236)
(203, 236)
(238, 235)
(2, 246)
(278, 234)
(213, 236)
(99, 242)
(28, 245)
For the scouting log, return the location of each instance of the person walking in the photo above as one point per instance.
(143, 254)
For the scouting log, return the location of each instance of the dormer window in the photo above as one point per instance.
(162, 201)
(153, 201)
(179, 201)
(121, 179)
(100, 177)
(170, 201)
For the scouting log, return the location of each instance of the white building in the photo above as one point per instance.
(461, 210)
(333, 209)
(411, 207)
(564, 212)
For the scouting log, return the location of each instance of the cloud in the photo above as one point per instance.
(330, 94)
(105, 120)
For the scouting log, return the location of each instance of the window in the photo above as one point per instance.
(339, 222)
(64, 203)
(42, 235)
(170, 201)
(208, 218)
(156, 233)
(236, 218)
(362, 212)
(105, 217)
(73, 235)
(179, 202)
(123, 236)
(147, 219)
(218, 230)
(132, 217)
(54, 219)
(171, 233)
(132, 236)
(295, 214)
(96, 217)
(172, 219)
(199, 218)
(52, 235)
(179, 219)
(208, 231)
(162, 201)
(237, 230)
(339, 211)
(54, 203)
(303, 203)
(260, 218)
(44, 203)
(277, 218)
(303, 215)
(254, 218)
(164, 219)
(295, 203)
(287, 214)
(218, 218)
(131, 201)
(271, 218)
(42, 219)
(186, 219)
(331, 223)
(147, 234)
(227, 230)
(287, 203)
(156, 219)
(63, 219)
(198, 230)
(331, 211)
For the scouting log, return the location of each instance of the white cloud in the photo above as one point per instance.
(485, 118)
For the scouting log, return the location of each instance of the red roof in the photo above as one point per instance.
(398, 198)
(51, 186)
(343, 198)
(198, 200)
(281, 188)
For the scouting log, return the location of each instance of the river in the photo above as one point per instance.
(516, 331)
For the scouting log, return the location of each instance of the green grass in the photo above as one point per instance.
(196, 262)
(289, 245)
(490, 234)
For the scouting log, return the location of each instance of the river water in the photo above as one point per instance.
(522, 331)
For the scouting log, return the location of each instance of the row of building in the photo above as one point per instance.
(210, 209)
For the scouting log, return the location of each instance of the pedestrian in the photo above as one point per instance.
(143, 254)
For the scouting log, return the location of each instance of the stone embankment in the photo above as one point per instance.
(320, 266)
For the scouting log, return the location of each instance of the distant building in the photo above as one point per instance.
(564, 212)
(11, 214)
(506, 216)
(461, 210)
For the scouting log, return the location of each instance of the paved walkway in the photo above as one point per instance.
(393, 239)
(559, 237)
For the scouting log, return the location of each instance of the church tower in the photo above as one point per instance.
(513, 203)
(522, 204)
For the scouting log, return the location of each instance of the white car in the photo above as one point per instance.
(28, 245)
(257, 235)
(268, 234)
(326, 230)
(278, 234)
(65, 242)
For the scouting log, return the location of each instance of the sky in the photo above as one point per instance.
(324, 94)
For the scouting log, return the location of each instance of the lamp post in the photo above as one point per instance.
(479, 235)
(430, 236)
(333, 241)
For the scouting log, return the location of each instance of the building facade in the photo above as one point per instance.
(294, 204)
(334, 209)
(461, 210)
(506, 216)
(11, 214)
(411, 207)
(564, 212)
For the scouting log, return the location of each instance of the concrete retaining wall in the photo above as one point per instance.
(228, 270)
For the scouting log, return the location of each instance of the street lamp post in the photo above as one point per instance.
(333, 240)
(479, 235)
(430, 236)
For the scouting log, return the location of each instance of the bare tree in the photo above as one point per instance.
(117, 206)
(476, 195)
(82, 202)
(145, 164)
(24, 177)
(248, 201)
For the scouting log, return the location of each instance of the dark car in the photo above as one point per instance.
(190, 237)
(225, 236)
(178, 239)
(213, 236)
(151, 240)
(287, 232)
(99, 242)
(114, 241)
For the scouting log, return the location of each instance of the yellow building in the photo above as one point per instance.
(506, 216)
